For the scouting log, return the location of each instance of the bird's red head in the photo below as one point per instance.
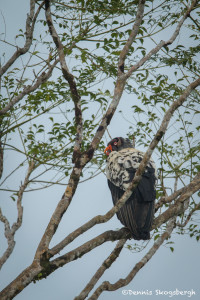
(112, 146)
(108, 150)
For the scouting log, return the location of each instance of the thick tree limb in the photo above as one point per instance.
(24, 279)
(107, 286)
(105, 265)
(44, 267)
(10, 232)
(110, 235)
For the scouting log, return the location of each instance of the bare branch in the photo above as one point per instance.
(58, 213)
(1, 157)
(21, 281)
(110, 235)
(30, 23)
(10, 232)
(9, 237)
(133, 34)
(105, 265)
(17, 224)
(107, 286)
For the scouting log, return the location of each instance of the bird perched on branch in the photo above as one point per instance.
(123, 161)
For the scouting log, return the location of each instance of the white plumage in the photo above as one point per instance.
(119, 164)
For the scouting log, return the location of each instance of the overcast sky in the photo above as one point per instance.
(166, 271)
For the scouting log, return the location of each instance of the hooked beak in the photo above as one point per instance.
(108, 150)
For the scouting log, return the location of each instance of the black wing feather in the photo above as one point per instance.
(137, 213)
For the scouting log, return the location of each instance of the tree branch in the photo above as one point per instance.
(196, 207)
(9, 237)
(177, 193)
(110, 235)
(162, 43)
(30, 23)
(24, 279)
(70, 79)
(10, 232)
(178, 207)
(107, 286)
(28, 89)
(132, 36)
(105, 265)
(1, 156)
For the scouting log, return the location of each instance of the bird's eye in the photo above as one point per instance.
(115, 143)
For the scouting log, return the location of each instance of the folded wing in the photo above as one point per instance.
(138, 212)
